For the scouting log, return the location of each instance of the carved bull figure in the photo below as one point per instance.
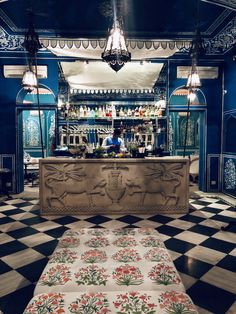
(62, 182)
(158, 179)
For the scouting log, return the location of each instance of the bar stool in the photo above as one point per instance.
(4, 174)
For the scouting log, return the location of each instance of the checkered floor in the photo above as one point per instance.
(204, 255)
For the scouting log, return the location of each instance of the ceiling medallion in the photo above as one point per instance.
(116, 53)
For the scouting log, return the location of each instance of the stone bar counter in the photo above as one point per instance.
(114, 186)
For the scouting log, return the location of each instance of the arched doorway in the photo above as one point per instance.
(187, 126)
(36, 132)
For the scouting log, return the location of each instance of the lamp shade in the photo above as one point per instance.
(193, 80)
(116, 53)
(29, 80)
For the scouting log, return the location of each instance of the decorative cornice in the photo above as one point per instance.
(223, 41)
(10, 42)
(231, 4)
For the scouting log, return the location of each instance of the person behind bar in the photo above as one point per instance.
(114, 143)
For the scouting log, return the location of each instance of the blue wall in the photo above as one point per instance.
(211, 135)
(229, 129)
(8, 119)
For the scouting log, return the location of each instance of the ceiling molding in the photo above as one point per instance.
(229, 4)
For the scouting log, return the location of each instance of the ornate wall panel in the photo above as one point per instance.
(229, 175)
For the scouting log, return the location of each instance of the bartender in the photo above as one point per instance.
(114, 143)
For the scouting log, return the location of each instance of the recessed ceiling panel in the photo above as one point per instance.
(99, 76)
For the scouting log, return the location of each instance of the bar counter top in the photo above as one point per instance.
(114, 185)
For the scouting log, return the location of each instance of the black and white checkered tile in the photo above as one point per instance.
(204, 255)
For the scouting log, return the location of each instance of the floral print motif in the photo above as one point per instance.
(125, 241)
(126, 255)
(73, 233)
(164, 274)
(97, 242)
(157, 255)
(176, 303)
(124, 231)
(64, 256)
(94, 256)
(47, 303)
(134, 303)
(69, 242)
(147, 231)
(151, 242)
(91, 275)
(58, 275)
(98, 232)
(128, 275)
(90, 303)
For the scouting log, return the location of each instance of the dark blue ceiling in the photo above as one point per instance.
(143, 19)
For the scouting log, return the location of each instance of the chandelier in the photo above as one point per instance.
(196, 49)
(116, 53)
(31, 45)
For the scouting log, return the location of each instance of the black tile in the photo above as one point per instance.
(65, 220)
(46, 248)
(33, 220)
(16, 302)
(178, 245)
(33, 271)
(192, 218)
(211, 298)
(23, 232)
(23, 204)
(98, 219)
(169, 230)
(224, 218)
(211, 210)
(228, 262)
(6, 220)
(161, 219)
(57, 232)
(4, 268)
(218, 245)
(11, 247)
(191, 266)
(13, 211)
(129, 219)
(208, 231)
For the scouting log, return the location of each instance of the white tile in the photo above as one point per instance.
(221, 278)
(35, 239)
(233, 252)
(202, 311)
(165, 237)
(191, 237)
(28, 208)
(199, 213)
(219, 206)
(113, 224)
(15, 201)
(208, 199)
(210, 223)
(11, 226)
(22, 258)
(147, 224)
(7, 207)
(44, 226)
(12, 281)
(1, 214)
(5, 238)
(197, 206)
(225, 236)
(181, 224)
(209, 214)
(187, 280)
(27, 215)
(174, 255)
(205, 254)
(228, 213)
